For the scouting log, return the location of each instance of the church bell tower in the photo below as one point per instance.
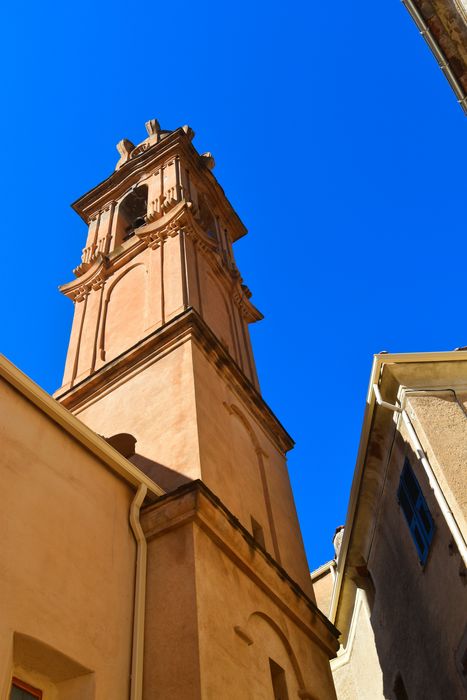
(160, 364)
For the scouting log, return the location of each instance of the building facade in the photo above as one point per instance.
(443, 25)
(398, 592)
(182, 507)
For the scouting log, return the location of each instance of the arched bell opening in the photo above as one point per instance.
(131, 214)
(206, 218)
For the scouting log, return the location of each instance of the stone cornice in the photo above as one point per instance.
(178, 220)
(92, 278)
(181, 220)
(175, 144)
(195, 502)
(187, 325)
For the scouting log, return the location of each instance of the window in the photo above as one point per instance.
(23, 691)
(131, 214)
(258, 533)
(416, 512)
(279, 685)
(206, 217)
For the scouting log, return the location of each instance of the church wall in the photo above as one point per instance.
(323, 586)
(66, 586)
(291, 547)
(171, 652)
(217, 599)
(230, 599)
(240, 463)
(156, 405)
(214, 307)
(126, 311)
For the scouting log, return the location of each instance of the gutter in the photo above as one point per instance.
(432, 480)
(438, 54)
(136, 681)
(378, 362)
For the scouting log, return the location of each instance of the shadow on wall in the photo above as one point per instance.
(166, 478)
(163, 476)
(414, 645)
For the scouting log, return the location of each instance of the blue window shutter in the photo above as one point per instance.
(416, 511)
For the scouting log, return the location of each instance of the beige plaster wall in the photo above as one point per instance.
(155, 404)
(189, 423)
(323, 586)
(171, 651)
(210, 293)
(440, 419)
(123, 327)
(241, 464)
(356, 671)
(199, 593)
(143, 289)
(68, 560)
(245, 667)
(418, 616)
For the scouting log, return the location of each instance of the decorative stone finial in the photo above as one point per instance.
(337, 540)
(208, 159)
(124, 147)
(189, 132)
(128, 150)
(153, 127)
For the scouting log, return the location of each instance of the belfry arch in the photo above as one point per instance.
(131, 214)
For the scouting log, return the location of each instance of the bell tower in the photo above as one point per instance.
(160, 363)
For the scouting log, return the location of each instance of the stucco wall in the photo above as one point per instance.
(356, 672)
(67, 561)
(216, 599)
(419, 612)
(440, 419)
(243, 466)
(322, 587)
(155, 404)
(245, 667)
(190, 423)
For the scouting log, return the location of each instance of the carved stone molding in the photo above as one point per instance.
(129, 151)
(244, 636)
(93, 278)
(180, 219)
(241, 297)
(124, 147)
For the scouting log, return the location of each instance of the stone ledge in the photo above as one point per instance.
(186, 325)
(195, 503)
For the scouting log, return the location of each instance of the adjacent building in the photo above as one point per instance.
(443, 25)
(398, 590)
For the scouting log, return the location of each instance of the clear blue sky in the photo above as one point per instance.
(338, 141)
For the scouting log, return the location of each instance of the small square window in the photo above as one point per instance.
(416, 512)
(279, 685)
(258, 532)
(23, 691)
